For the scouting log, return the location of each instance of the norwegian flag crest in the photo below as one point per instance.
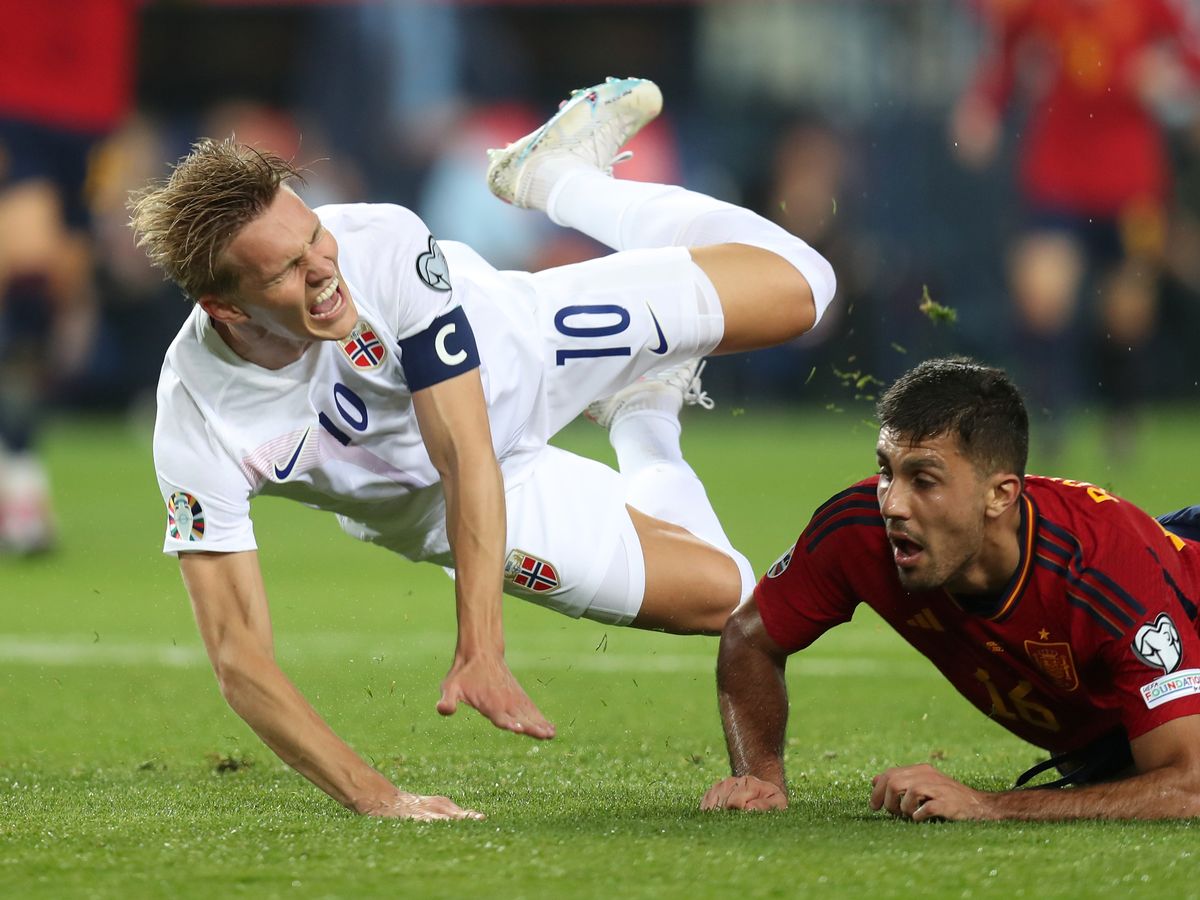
(363, 347)
(528, 572)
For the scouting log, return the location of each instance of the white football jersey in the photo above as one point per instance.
(335, 430)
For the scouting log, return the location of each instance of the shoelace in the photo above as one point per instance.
(623, 156)
(692, 394)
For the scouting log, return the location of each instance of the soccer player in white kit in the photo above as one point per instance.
(343, 358)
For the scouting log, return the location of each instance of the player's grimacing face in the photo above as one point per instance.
(933, 503)
(288, 281)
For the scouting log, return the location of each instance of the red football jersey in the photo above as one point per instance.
(1091, 146)
(68, 63)
(1096, 630)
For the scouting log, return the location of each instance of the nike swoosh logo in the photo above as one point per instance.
(662, 338)
(283, 473)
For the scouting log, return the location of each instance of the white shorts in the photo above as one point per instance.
(604, 323)
(571, 544)
(608, 321)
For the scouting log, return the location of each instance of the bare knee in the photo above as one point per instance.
(693, 591)
(764, 298)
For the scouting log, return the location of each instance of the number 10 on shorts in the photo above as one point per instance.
(614, 320)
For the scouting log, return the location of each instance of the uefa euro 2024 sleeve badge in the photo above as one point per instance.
(185, 517)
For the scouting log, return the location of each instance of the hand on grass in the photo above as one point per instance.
(486, 683)
(922, 792)
(744, 792)
(404, 805)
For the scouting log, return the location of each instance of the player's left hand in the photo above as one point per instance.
(485, 682)
(922, 792)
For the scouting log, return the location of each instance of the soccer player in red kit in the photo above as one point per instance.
(1094, 178)
(66, 82)
(1064, 613)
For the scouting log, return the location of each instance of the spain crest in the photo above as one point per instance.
(1055, 661)
(528, 572)
(363, 347)
(185, 517)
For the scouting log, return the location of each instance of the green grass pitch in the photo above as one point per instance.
(123, 774)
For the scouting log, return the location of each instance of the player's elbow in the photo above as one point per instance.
(745, 644)
(735, 635)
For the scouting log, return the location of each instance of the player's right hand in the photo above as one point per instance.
(485, 682)
(744, 792)
(403, 805)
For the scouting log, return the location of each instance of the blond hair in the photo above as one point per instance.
(186, 221)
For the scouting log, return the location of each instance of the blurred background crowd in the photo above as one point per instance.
(1014, 179)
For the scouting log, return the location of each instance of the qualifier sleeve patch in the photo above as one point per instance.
(432, 268)
(445, 349)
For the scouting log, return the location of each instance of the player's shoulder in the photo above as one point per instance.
(1088, 515)
(180, 422)
(849, 511)
(1071, 499)
(387, 220)
(185, 355)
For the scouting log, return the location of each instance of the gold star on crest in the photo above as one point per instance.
(1043, 634)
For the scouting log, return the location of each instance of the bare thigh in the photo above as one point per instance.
(691, 586)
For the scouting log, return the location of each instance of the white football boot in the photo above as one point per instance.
(668, 390)
(589, 129)
(26, 521)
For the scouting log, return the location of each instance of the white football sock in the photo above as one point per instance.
(658, 480)
(633, 215)
(660, 483)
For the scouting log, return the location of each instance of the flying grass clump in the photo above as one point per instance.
(934, 311)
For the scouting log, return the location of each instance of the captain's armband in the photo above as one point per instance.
(445, 349)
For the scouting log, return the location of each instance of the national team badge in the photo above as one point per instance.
(185, 517)
(530, 573)
(780, 565)
(363, 347)
(1158, 645)
(1055, 661)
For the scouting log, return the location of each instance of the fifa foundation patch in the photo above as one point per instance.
(529, 572)
(363, 347)
(1183, 683)
(185, 517)
(1055, 661)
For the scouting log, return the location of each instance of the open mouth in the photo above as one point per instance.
(329, 302)
(905, 551)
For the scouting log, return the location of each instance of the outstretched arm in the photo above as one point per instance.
(454, 425)
(230, 604)
(754, 708)
(1166, 786)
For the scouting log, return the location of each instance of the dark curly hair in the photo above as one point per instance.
(956, 395)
